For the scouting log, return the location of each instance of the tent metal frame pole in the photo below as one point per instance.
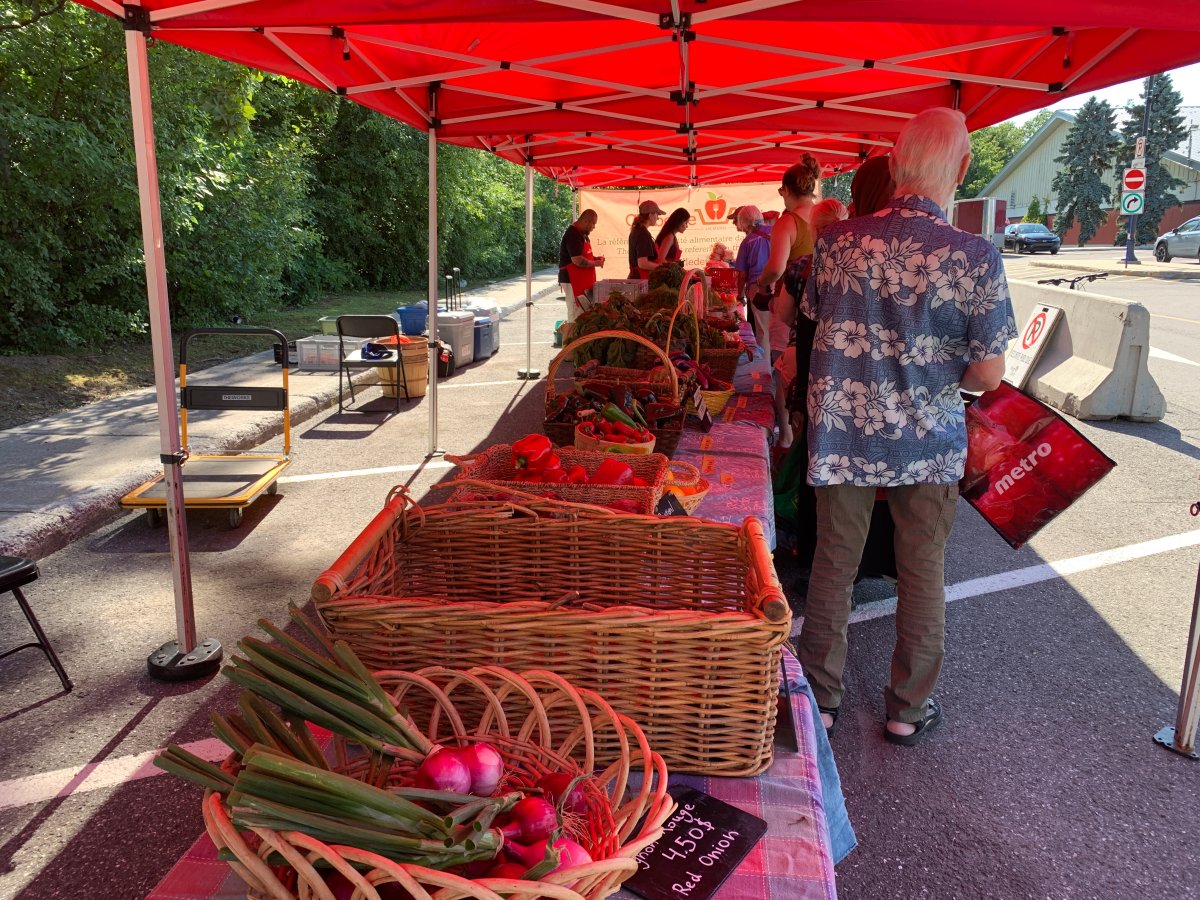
(529, 373)
(1181, 738)
(434, 279)
(183, 658)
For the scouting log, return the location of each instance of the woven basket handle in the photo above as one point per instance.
(552, 374)
(533, 501)
(688, 474)
(334, 579)
(686, 301)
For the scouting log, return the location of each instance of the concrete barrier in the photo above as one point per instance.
(1094, 366)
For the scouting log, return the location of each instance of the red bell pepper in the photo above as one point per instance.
(552, 472)
(577, 475)
(613, 472)
(532, 452)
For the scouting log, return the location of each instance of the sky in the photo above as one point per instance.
(1186, 80)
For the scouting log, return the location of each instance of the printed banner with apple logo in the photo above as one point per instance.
(709, 206)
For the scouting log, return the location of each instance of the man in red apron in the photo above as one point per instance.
(576, 264)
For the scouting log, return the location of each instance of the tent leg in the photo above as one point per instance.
(434, 281)
(529, 373)
(182, 658)
(1182, 736)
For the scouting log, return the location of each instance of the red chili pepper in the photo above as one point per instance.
(531, 452)
(613, 471)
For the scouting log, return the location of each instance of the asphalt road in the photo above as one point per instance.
(1042, 782)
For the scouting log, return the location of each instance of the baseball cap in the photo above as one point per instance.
(732, 217)
(649, 206)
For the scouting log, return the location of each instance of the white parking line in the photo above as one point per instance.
(96, 776)
(355, 473)
(62, 783)
(1155, 353)
(1004, 581)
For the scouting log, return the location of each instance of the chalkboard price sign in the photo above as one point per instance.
(702, 413)
(703, 842)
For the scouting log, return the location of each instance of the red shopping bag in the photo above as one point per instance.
(1025, 463)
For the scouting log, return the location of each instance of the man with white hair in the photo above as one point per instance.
(752, 256)
(908, 311)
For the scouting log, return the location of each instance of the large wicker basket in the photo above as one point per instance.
(678, 622)
(563, 433)
(540, 723)
(495, 466)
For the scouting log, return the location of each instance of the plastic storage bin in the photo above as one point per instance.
(412, 318)
(482, 306)
(457, 328)
(321, 352)
(485, 337)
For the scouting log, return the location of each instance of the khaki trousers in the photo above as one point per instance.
(924, 515)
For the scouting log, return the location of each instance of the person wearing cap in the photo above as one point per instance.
(576, 264)
(642, 255)
(751, 257)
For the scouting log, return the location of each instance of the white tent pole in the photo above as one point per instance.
(434, 279)
(182, 658)
(529, 372)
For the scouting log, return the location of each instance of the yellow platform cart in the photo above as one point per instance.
(222, 481)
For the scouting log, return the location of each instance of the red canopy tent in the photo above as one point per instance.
(636, 92)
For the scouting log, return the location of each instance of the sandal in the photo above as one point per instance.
(933, 715)
(831, 711)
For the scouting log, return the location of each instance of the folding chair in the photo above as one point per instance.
(14, 573)
(375, 328)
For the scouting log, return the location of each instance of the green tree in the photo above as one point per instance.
(1033, 212)
(992, 148)
(1087, 153)
(838, 187)
(1168, 128)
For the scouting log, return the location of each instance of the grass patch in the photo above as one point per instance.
(34, 387)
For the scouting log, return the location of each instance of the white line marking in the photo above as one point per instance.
(462, 384)
(354, 473)
(1155, 353)
(1045, 572)
(96, 776)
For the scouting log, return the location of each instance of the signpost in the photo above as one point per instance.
(1024, 352)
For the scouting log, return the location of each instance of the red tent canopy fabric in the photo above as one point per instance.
(678, 91)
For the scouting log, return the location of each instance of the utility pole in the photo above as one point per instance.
(1132, 221)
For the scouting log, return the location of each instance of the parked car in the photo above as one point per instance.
(1030, 237)
(1182, 240)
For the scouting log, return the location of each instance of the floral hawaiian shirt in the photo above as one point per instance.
(903, 301)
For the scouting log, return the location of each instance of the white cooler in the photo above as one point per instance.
(483, 306)
(457, 328)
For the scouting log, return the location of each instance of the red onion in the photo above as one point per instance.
(555, 784)
(571, 853)
(486, 767)
(443, 770)
(535, 818)
(508, 870)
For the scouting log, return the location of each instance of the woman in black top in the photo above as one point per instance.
(642, 255)
(667, 242)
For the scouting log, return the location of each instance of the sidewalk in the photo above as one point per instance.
(1109, 259)
(64, 475)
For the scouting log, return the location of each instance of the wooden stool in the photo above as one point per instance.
(15, 572)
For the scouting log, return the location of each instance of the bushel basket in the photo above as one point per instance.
(679, 623)
(540, 724)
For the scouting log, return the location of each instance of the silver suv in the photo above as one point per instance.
(1183, 240)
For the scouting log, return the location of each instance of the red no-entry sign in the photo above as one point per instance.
(1134, 179)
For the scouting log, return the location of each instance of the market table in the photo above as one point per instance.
(802, 807)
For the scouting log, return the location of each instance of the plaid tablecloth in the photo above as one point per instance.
(792, 861)
(735, 460)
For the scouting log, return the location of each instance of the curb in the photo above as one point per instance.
(1136, 270)
(39, 533)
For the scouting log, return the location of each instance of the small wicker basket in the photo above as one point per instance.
(540, 723)
(689, 488)
(678, 622)
(563, 433)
